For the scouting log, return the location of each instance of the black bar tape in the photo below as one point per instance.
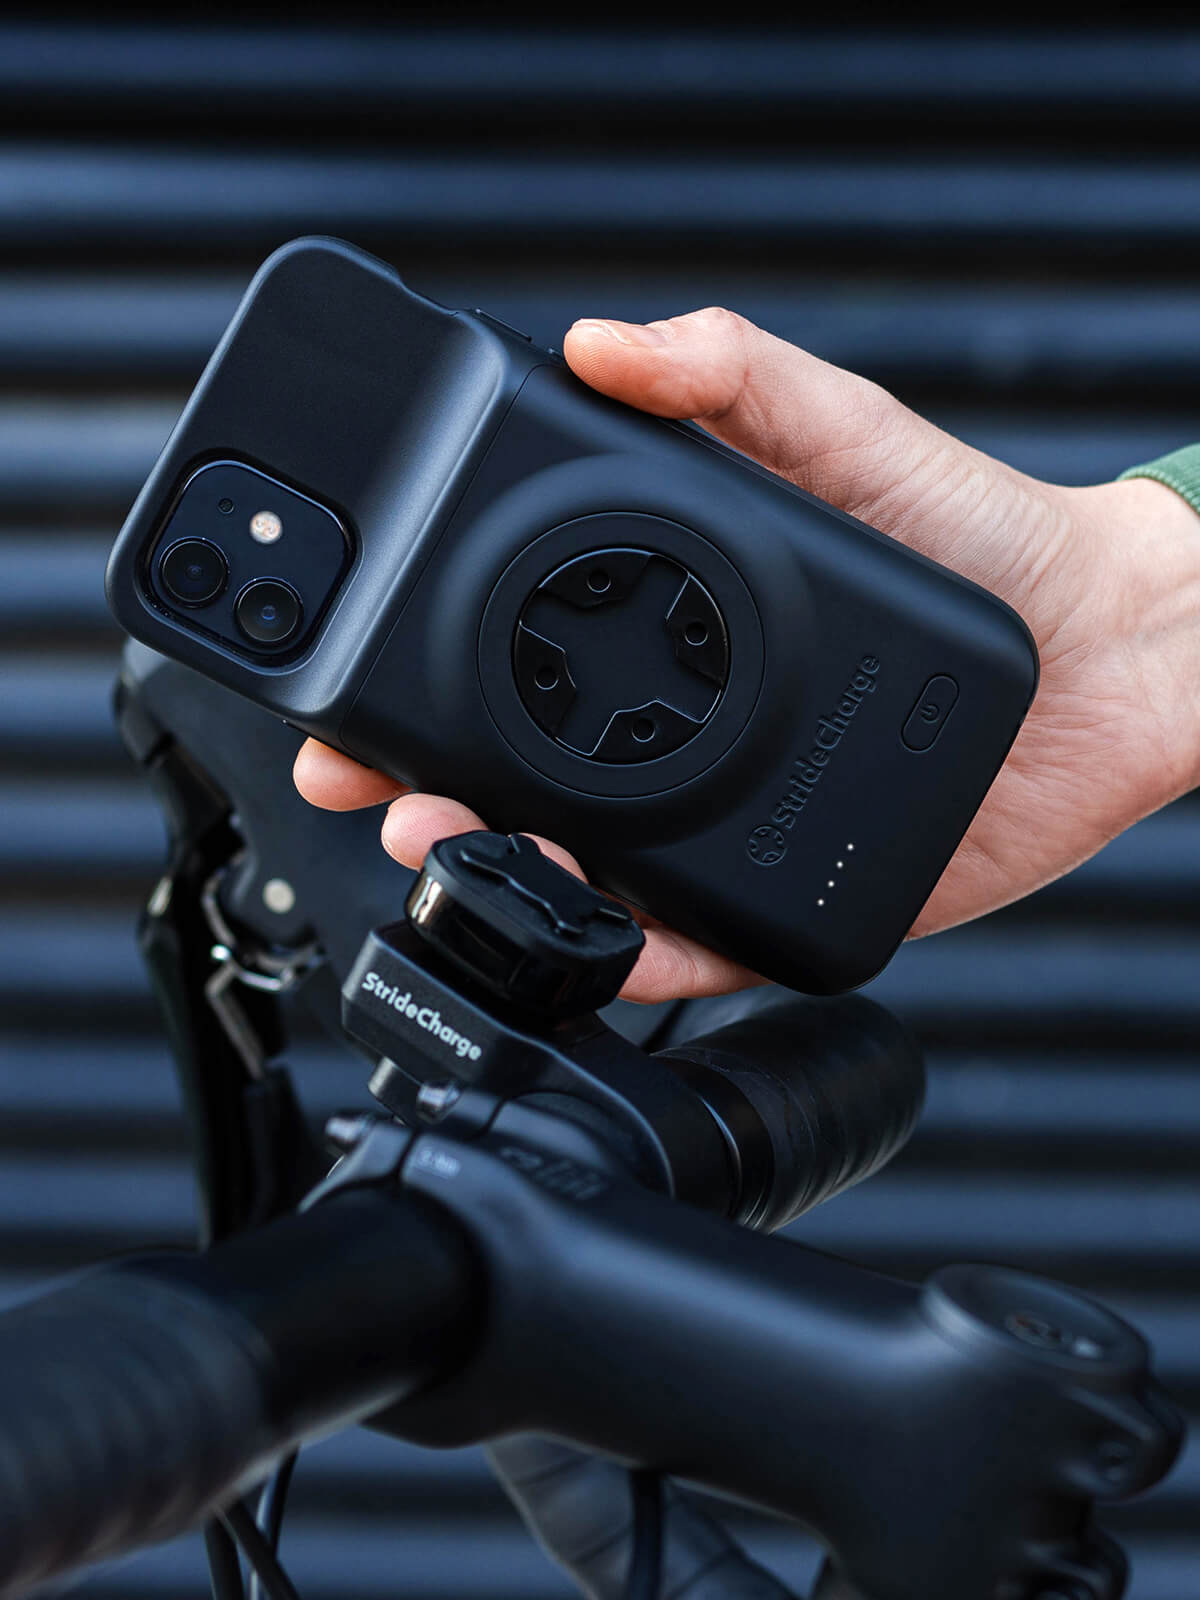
(837, 1087)
(127, 1408)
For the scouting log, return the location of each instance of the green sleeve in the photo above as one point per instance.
(1179, 471)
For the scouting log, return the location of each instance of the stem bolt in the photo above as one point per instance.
(345, 1129)
(278, 896)
(435, 1099)
(1034, 1330)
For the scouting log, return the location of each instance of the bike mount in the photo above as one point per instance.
(1000, 1405)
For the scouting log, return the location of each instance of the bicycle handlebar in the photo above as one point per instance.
(479, 1289)
(126, 1406)
(812, 1095)
(144, 1393)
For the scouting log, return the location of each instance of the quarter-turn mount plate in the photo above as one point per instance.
(621, 655)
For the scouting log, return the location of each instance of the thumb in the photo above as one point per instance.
(837, 435)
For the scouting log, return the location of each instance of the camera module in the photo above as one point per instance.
(248, 561)
(268, 611)
(193, 572)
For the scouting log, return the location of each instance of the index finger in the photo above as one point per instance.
(335, 782)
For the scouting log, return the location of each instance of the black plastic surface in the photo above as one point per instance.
(472, 466)
(621, 655)
(928, 717)
(406, 1002)
(523, 926)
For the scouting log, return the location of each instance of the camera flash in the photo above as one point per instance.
(265, 527)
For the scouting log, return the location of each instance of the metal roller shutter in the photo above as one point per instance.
(1003, 227)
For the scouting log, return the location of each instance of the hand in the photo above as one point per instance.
(1107, 578)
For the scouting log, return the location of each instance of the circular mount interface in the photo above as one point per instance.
(621, 655)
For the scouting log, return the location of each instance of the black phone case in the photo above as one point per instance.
(760, 720)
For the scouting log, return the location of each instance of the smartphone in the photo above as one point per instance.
(413, 533)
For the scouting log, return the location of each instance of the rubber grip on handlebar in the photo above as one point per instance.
(128, 1407)
(815, 1095)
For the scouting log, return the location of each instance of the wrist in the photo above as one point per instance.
(1178, 470)
(1150, 535)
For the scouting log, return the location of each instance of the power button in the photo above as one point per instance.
(928, 717)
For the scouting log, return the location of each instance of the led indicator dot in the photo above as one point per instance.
(820, 902)
(829, 885)
(841, 864)
(849, 847)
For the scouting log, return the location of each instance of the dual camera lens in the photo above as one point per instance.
(195, 573)
(268, 611)
(247, 562)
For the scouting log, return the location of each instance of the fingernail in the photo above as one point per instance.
(622, 332)
(390, 837)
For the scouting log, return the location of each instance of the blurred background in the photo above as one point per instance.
(1003, 226)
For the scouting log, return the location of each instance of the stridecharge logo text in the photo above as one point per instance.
(767, 844)
(426, 1017)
